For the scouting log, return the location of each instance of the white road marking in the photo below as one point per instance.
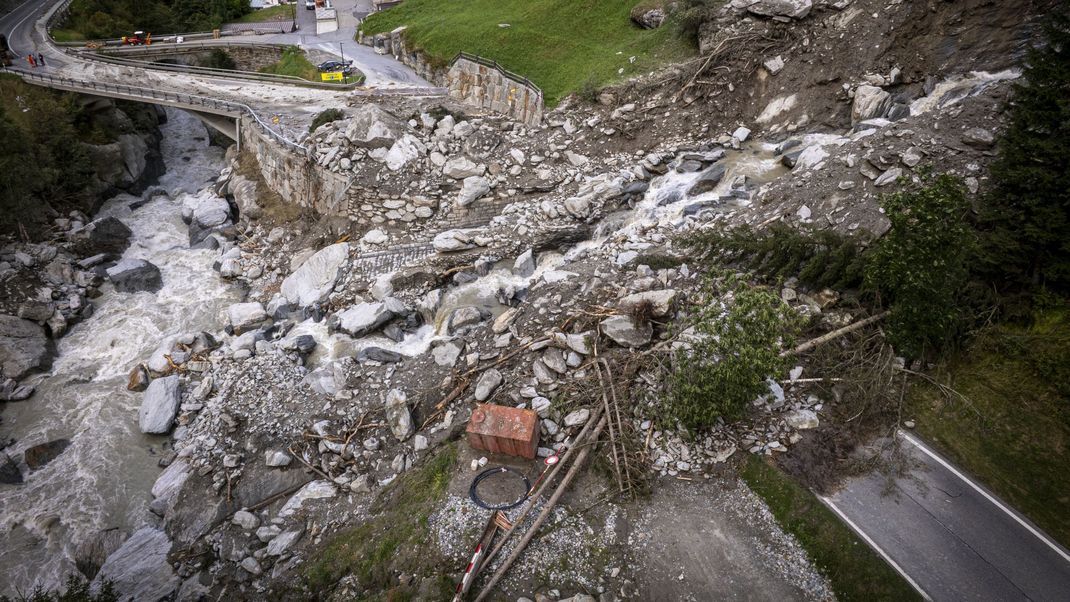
(832, 506)
(1041, 536)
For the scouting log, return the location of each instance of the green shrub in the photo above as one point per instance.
(115, 18)
(819, 259)
(736, 352)
(1025, 220)
(293, 62)
(921, 267)
(326, 116)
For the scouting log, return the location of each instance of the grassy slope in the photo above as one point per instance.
(855, 571)
(1013, 433)
(558, 44)
(394, 538)
(282, 12)
(294, 62)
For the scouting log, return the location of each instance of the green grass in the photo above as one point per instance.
(1013, 429)
(855, 571)
(282, 12)
(558, 44)
(394, 539)
(295, 63)
(67, 35)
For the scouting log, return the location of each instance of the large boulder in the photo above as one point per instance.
(9, 470)
(313, 282)
(244, 317)
(366, 318)
(460, 168)
(38, 455)
(708, 180)
(106, 235)
(473, 188)
(23, 347)
(626, 331)
(405, 149)
(135, 275)
(782, 9)
(160, 405)
(398, 415)
(453, 240)
(659, 303)
(244, 192)
(371, 126)
(870, 102)
(139, 569)
(648, 18)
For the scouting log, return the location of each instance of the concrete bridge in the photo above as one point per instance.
(220, 99)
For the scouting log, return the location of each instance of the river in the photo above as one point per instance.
(102, 480)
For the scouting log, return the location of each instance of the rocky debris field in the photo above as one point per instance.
(514, 258)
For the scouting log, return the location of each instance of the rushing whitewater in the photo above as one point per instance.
(102, 480)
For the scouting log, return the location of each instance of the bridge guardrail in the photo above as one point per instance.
(236, 109)
(229, 73)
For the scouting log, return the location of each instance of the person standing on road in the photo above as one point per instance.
(33, 63)
(40, 59)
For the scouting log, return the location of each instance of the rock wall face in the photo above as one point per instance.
(476, 83)
(306, 181)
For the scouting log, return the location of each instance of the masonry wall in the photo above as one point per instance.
(469, 81)
(302, 181)
(487, 87)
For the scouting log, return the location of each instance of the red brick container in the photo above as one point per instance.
(503, 430)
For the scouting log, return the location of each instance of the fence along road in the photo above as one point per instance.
(27, 26)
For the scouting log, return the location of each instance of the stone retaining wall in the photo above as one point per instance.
(302, 182)
(475, 82)
(470, 79)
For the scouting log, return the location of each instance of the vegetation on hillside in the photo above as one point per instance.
(1026, 218)
(42, 161)
(295, 63)
(394, 540)
(91, 19)
(281, 12)
(1002, 412)
(733, 353)
(558, 44)
(74, 590)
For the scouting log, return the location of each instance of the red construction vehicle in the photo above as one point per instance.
(138, 38)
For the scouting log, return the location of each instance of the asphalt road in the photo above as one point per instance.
(380, 71)
(952, 538)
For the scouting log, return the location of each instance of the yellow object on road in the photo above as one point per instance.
(333, 76)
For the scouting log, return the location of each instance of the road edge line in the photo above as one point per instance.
(876, 548)
(988, 496)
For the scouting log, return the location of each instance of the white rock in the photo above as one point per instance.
(246, 316)
(315, 279)
(802, 419)
(398, 415)
(472, 189)
(405, 149)
(160, 404)
(741, 134)
(488, 382)
(282, 542)
(577, 417)
(462, 167)
(311, 491)
(246, 520)
(139, 569)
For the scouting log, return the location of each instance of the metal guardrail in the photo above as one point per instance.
(475, 58)
(191, 101)
(228, 73)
